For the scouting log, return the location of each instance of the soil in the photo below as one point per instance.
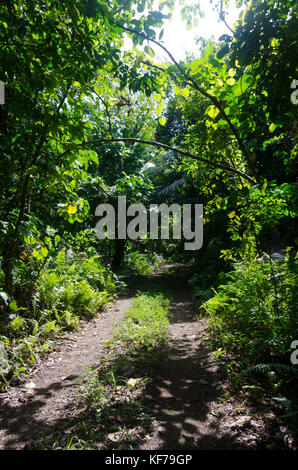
(188, 394)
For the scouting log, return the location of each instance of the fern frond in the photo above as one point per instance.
(265, 368)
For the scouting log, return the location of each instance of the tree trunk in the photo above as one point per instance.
(120, 246)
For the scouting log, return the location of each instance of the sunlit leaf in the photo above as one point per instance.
(231, 81)
(72, 209)
(185, 92)
(212, 111)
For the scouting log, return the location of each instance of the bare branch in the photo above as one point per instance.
(222, 17)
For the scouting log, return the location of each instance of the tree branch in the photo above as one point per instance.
(222, 17)
(194, 84)
(166, 147)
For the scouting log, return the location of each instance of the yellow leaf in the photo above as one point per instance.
(162, 121)
(72, 209)
(231, 214)
(231, 81)
(272, 127)
(232, 72)
(185, 92)
(212, 111)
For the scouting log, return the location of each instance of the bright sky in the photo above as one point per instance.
(178, 40)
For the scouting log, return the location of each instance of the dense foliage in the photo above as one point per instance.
(85, 120)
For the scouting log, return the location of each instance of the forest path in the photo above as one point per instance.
(187, 393)
(27, 414)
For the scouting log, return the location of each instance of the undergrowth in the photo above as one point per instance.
(252, 314)
(142, 263)
(71, 286)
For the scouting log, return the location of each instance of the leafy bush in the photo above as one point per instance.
(143, 263)
(68, 286)
(75, 283)
(253, 313)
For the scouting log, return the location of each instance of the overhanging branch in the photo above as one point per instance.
(194, 84)
(154, 143)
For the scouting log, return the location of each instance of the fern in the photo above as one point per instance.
(265, 368)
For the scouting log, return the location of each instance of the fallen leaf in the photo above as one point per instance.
(171, 412)
(132, 382)
(30, 385)
(113, 436)
(241, 422)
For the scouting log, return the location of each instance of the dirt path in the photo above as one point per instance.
(26, 415)
(187, 392)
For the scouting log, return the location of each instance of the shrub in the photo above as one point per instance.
(253, 313)
(143, 263)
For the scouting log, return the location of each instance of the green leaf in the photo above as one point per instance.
(13, 306)
(223, 51)
(149, 51)
(272, 127)
(44, 251)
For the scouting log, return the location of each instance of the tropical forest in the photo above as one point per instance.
(148, 227)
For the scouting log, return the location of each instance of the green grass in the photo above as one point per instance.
(145, 323)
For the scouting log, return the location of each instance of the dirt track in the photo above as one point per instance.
(186, 394)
